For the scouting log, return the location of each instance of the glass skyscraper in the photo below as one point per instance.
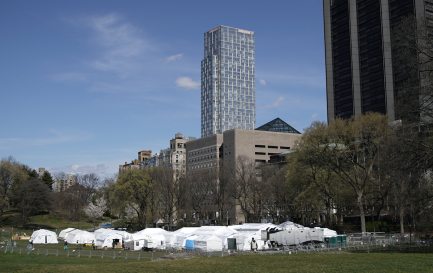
(365, 71)
(228, 92)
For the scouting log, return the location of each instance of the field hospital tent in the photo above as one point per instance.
(63, 233)
(152, 238)
(328, 233)
(209, 238)
(104, 238)
(290, 225)
(246, 232)
(80, 237)
(178, 237)
(294, 234)
(208, 243)
(43, 236)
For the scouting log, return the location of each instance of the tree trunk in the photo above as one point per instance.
(401, 220)
(361, 212)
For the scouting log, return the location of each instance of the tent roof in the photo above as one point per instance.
(253, 227)
(290, 225)
(43, 232)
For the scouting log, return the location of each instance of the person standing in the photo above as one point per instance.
(253, 245)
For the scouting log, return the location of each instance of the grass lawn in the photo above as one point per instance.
(48, 221)
(60, 223)
(317, 262)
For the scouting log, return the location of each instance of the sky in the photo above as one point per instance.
(85, 85)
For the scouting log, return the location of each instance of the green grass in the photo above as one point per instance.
(317, 262)
(49, 221)
(60, 223)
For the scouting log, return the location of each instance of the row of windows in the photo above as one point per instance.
(202, 158)
(205, 165)
(202, 151)
(272, 147)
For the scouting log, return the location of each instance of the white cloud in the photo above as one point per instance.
(122, 44)
(278, 102)
(275, 104)
(262, 82)
(56, 137)
(187, 83)
(101, 169)
(174, 58)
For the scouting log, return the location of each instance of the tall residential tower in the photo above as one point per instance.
(363, 68)
(228, 90)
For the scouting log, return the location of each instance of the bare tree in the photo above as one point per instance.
(201, 187)
(247, 189)
(167, 193)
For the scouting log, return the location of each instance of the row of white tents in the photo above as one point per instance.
(205, 238)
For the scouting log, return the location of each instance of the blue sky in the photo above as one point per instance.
(84, 85)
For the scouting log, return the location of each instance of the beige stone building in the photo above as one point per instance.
(144, 155)
(225, 150)
(63, 183)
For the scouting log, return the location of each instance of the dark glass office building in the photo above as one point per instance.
(362, 71)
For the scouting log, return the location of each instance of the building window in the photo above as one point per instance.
(260, 146)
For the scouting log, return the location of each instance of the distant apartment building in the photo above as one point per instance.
(225, 150)
(143, 157)
(41, 171)
(133, 165)
(174, 157)
(65, 182)
(228, 81)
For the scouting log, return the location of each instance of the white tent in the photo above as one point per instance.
(246, 232)
(178, 237)
(211, 233)
(80, 237)
(106, 237)
(125, 235)
(208, 243)
(43, 236)
(63, 233)
(327, 233)
(290, 225)
(293, 235)
(150, 238)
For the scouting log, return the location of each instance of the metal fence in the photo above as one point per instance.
(377, 242)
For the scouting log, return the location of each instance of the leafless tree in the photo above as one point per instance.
(201, 186)
(248, 189)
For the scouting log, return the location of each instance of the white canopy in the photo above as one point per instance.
(80, 237)
(328, 232)
(208, 243)
(43, 236)
(248, 231)
(106, 237)
(178, 237)
(155, 237)
(63, 233)
(290, 225)
(220, 232)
